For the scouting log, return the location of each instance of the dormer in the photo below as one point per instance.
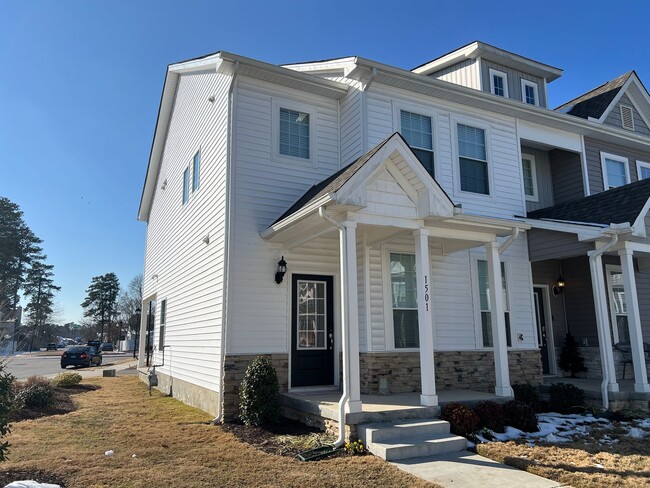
(490, 69)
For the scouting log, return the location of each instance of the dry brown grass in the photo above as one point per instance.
(175, 445)
(581, 465)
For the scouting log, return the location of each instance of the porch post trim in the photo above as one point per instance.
(602, 322)
(425, 325)
(497, 315)
(634, 321)
(350, 313)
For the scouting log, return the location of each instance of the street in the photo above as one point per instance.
(23, 366)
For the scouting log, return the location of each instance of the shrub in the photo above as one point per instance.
(490, 414)
(527, 393)
(35, 392)
(66, 380)
(461, 419)
(7, 405)
(259, 394)
(565, 398)
(520, 416)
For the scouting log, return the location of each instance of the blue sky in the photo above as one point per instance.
(80, 84)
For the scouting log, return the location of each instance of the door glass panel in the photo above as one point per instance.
(618, 307)
(312, 315)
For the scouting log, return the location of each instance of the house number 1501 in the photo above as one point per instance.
(426, 292)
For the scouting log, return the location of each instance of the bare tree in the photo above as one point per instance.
(129, 301)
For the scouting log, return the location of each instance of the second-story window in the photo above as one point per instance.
(472, 156)
(196, 171)
(417, 130)
(529, 92)
(642, 170)
(498, 83)
(294, 133)
(615, 170)
(186, 185)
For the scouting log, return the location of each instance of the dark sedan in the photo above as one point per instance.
(81, 356)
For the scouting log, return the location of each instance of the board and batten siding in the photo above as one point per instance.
(179, 266)
(465, 73)
(544, 179)
(593, 148)
(506, 192)
(264, 188)
(514, 81)
(614, 117)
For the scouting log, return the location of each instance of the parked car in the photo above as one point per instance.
(81, 356)
(60, 345)
(51, 346)
(94, 344)
(106, 346)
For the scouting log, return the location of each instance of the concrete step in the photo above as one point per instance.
(405, 440)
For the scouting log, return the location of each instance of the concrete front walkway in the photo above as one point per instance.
(469, 470)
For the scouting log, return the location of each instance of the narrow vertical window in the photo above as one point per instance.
(196, 171)
(163, 320)
(473, 160)
(404, 300)
(529, 92)
(618, 305)
(186, 185)
(418, 132)
(498, 83)
(530, 178)
(484, 298)
(294, 133)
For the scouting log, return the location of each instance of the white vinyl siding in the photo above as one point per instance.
(530, 176)
(186, 185)
(484, 300)
(615, 170)
(472, 160)
(529, 92)
(498, 83)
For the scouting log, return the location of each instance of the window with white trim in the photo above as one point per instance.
(498, 83)
(530, 177)
(615, 170)
(529, 93)
(627, 117)
(484, 300)
(163, 320)
(294, 133)
(417, 129)
(617, 305)
(196, 171)
(472, 159)
(642, 170)
(186, 185)
(404, 300)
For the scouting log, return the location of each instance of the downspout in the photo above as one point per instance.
(513, 237)
(226, 264)
(344, 348)
(364, 109)
(594, 280)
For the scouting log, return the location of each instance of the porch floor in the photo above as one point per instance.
(379, 408)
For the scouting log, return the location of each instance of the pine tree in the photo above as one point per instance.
(570, 357)
(40, 288)
(101, 300)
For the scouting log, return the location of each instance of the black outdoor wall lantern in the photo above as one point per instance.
(559, 286)
(282, 269)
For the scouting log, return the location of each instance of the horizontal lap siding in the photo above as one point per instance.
(593, 148)
(263, 189)
(190, 273)
(547, 244)
(614, 117)
(351, 130)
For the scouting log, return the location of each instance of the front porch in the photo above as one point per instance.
(626, 397)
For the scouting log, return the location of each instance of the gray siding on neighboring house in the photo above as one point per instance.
(464, 73)
(514, 81)
(547, 244)
(546, 273)
(566, 169)
(593, 148)
(614, 117)
(544, 179)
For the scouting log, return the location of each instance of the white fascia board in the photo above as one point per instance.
(457, 56)
(319, 66)
(210, 62)
(632, 80)
(584, 231)
(274, 229)
(501, 223)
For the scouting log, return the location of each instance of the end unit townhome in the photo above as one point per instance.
(375, 230)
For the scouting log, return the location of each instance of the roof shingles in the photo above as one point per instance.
(595, 102)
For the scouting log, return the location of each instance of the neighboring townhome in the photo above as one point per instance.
(371, 230)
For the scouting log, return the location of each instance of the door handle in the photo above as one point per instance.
(331, 336)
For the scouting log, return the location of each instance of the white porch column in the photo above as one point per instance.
(497, 314)
(350, 314)
(602, 322)
(425, 327)
(634, 321)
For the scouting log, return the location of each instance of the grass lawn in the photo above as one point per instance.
(174, 445)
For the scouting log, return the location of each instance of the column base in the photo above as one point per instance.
(641, 387)
(354, 406)
(613, 387)
(504, 391)
(429, 400)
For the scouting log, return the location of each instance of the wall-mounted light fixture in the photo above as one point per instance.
(282, 269)
(559, 286)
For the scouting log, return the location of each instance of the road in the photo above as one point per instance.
(23, 366)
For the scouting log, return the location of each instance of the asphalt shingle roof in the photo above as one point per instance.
(616, 206)
(595, 102)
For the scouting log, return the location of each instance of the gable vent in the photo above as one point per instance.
(627, 118)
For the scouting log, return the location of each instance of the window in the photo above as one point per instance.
(196, 171)
(642, 170)
(615, 170)
(484, 298)
(627, 117)
(617, 305)
(498, 83)
(312, 315)
(530, 177)
(294, 133)
(473, 160)
(418, 132)
(404, 300)
(529, 92)
(163, 319)
(186, 185)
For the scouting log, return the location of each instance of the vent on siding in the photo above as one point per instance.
(627, 117)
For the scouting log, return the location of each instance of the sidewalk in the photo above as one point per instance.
(468, 470)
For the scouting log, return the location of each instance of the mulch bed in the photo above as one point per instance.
(7, 477)
(62, 404)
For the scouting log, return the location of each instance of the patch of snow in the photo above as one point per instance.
(108, 453)
(645, 424)
(599, 466)
(637, 433)
(30, 484)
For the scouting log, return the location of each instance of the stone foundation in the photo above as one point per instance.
(591, 356)
(399, 372)
(234, 369)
